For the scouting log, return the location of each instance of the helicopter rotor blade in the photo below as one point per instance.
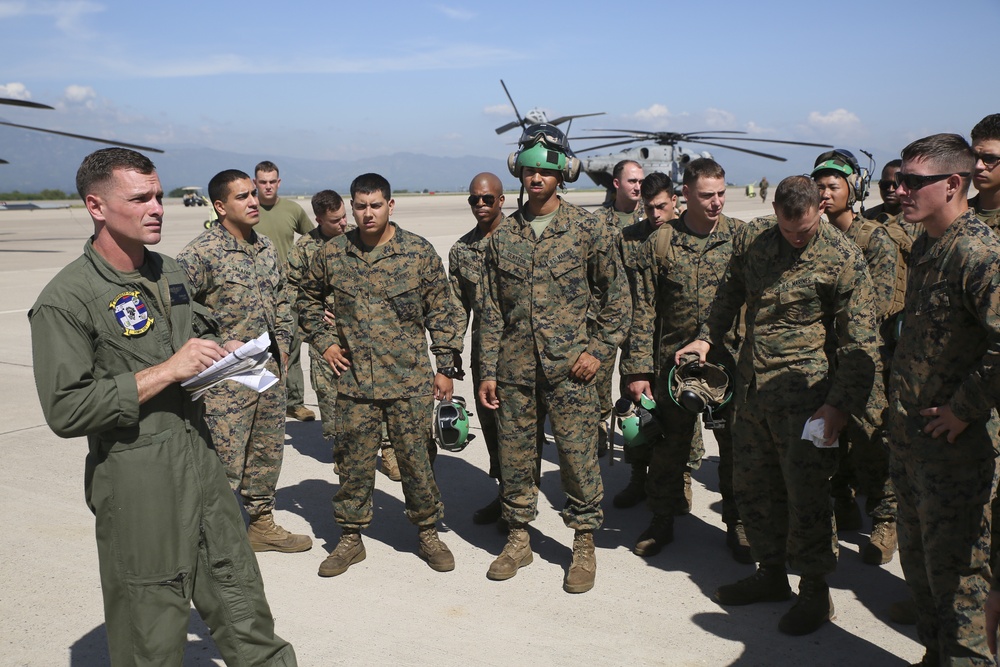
(2, 161)
(767, 141)
(110, 142)
(508, 127)
(24, 103)
(742, 150)
(563, 119)
(517, 114)
(614, 143)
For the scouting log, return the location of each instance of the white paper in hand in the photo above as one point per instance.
(245, 365)
(813, 431)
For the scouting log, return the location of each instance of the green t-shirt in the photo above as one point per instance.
(539, 223)
(281, 223)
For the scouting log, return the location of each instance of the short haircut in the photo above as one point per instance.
(703, 167)
(987, 129)
(326, 201)
(795, 196)
(218, 187)
(892, 164)
(366, 184)
(97, 168)
(620, 167)
(949, 153)
(655, 183)
(266, 166)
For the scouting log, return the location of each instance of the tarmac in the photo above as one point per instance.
(392, 609)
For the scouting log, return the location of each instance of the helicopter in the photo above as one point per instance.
(537, 115)
(667, 155)
(38, 105)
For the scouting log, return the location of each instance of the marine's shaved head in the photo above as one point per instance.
(489, 181)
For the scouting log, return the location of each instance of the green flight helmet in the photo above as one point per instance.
(638, 423)
(541, 156)
(701, 388)
(451, 425)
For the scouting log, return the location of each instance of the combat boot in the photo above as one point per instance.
(736, 540)
(488, 514)
(583, 569)
(847, 512)
(635, 491)
(659, 534)
(434, 551)
(349, 550)
(767, 584)
(515, 555)
(813, 608)
(390, 467)
(881, 545)
(266, 535)
(300, 412)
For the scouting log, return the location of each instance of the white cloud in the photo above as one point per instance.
(80, 95)
(838, 119)
(718, 119)
(15, 91)
(754, 128)
(654, 112)
(459, 14)
(499, 110)
(67, 13)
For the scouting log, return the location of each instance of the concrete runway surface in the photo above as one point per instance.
(392, 609)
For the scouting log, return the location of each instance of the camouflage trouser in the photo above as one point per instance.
(358, 438)
(782, 487)
(324, 382)
(248, 430)
(603, 382)
(487, 422)
(943, 527)
(295, 382)
(864, 464)
(573, 412)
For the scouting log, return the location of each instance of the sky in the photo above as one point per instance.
(347, 80)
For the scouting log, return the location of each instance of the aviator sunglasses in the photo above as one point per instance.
(917, 181)
(489, 200)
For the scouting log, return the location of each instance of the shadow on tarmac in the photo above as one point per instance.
(91, 650)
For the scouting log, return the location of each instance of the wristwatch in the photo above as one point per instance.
(451, 372)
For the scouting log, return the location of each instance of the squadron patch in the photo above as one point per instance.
(131, 313)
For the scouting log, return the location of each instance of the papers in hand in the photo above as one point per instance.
(813, 431)
(245, 365)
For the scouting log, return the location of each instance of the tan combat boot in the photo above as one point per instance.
(300, 412)
(390, 468)
(583, 569)
(349, 550)
(266, 535)
(515, 555)
(882, 544)
(434, 551)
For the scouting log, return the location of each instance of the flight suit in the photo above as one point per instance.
(169, 531)
(535, 327)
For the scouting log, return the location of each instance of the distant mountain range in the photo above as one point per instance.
(39, 161)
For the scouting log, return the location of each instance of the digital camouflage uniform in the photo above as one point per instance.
(243, 286)
(169, 531)
(989, 218)
(321, 375)
(465, 273)
(382, 302)
(793, 298)
(280, 222)
(605, 374)
(673, 299)
(539, 291)
(863, 448)
(948, 354)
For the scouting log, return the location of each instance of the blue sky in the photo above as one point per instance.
(339, 80)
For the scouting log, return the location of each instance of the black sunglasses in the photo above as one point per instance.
(883, 184)
(989, 161)
(917, 181)
(489, 200)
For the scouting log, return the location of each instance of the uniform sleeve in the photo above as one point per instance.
(881, 258)
(190, 260)
(454, 280)
(75, 403)
(311, 302)
(729, 297)
(491, 326)
(297, 263)
(609, 286)
(980, 391)
(637, 355)
(854, 320)
(284, 322)
(443, 313)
